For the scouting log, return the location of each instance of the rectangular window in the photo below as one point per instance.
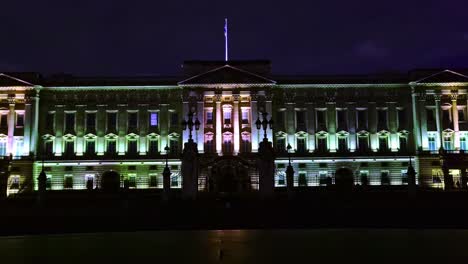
(69, 121)
(111, 146)
(382, 118)
(446, 117)
(302, 179)
(383, 143)
(19, 143)
(132, 180)
(321, 119)
(301, 145)
(4, 120)
(132, 120)
(300, 120)
(3, 145)
(153, 119)
(430, 115)
(48, 182)
(463, 145)
(403, 143)
(342, 144)
(174, 119)
(153, 181)
(209, 117)
(280, 119)
(111, 121)
(90, 147)
(432, 143)
(448, 143)
(132, 147)
(227, 116)
(14, 183)
(401, 118)
(322, 144)
(323, 178)
(91, 121)
(404, 176)
(245, 146)
(50, 120)
(461, 115)
(48, 147)
(174, 180)
(68, 181)
(385, 177)
(69, 147)
(364, 177)
(281, 145)
(245, 116)
(153, 147)
(362, 119)
(19, 120)
(174, 146)
(342, 119)
(363, 143)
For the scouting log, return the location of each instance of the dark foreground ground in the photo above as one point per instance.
(76, 212)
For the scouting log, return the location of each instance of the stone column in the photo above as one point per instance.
(235, 116)
(416, 119)
(254, 112)
(185, 110)
(290, 124)
(311, 126)
(373, 137)
(201, 118)
(164, 127)
(437, 98)
(331, 124)
(269, 110)
(27, 126)
(393, 126)
(455, 122)
(11, 126)
(352, 126)
(35, 125)
(219, 123)
(422, 113)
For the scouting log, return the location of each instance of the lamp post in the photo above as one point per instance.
(289, 172)
(190, 125)
(166, 175)
(265, 123)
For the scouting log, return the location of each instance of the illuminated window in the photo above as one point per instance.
(323, 178)
(463, 145)
(174, 146)
(245, 116)
(19, 143)
(322, 144)
(245, 143)
(448, 144)
(281, 178)
(432, 143)
(153, 180)
(364, 177)
(14, 182)
(4, 120)
(3, 146)
(91, 121)
(227, 116)
(19, 119)
(153, 119)
(403, 143)
(209, 146)
(227, 142)
(175, 180)
(404, 176)
(209, 117)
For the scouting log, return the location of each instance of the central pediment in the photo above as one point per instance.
(227, 75)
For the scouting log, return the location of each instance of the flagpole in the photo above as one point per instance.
(225, 39)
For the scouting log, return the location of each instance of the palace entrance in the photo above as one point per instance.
(229, 174)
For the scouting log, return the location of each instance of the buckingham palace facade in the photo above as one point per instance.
(76, 129)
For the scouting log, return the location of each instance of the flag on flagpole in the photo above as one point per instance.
(225, 40)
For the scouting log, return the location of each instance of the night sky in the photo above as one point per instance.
(123, 37)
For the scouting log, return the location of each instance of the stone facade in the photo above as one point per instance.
(372, 125)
